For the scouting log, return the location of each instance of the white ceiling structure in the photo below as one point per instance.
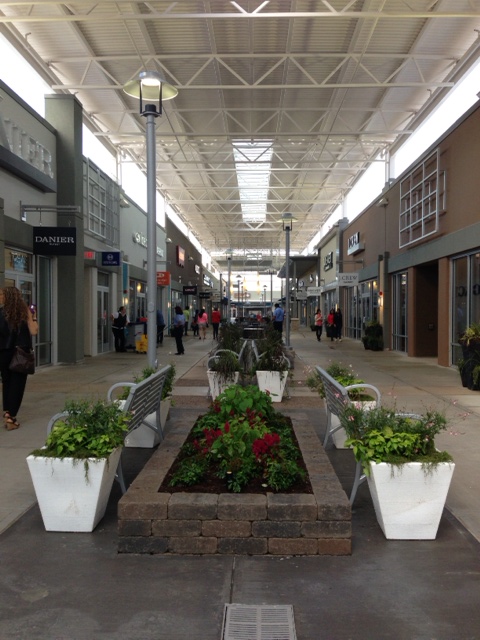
(283, 104)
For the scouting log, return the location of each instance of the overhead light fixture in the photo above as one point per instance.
(383, 202)
(168, 240)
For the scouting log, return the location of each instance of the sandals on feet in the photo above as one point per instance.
(10, 423)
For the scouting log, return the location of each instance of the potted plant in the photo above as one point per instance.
(408, 477)
(74, 472)
(272, 366)
(223, 371)
(373, 336)
(346, 377)
(469, 363)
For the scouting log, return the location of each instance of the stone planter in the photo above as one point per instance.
(409, 499)
(155, 522)
(218, 385)
(272, 382)
(72, 497)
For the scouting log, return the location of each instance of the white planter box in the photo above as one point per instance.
(143, 437)
(409, 499)
(274, 382)
(70, 497)
(339, 437)
(216, 386)
(165, 405)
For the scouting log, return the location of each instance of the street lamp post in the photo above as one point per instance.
(151, 87)
(287, 223)
(229, 253)
(239, 280)
(265, 299)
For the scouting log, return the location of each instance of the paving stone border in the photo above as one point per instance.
(228, 523)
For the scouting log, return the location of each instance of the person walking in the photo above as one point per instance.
(178, 326)
(216, 319)
(338, 320)
(118, 328)
(18, 324)
(186, 313)
(160, 327)
(202, 322)
(278, 316)
(318, 324)
(331, 325)
(194, 324)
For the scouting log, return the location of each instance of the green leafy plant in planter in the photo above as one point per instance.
(146, 373)
(239, 440)
(469, 363)
(271, 353)
(225, 363)
(90, 429)
(373, 336)
(230, 337)
(382, 435)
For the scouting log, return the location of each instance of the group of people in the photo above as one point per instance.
(334, 324)
(199, 325)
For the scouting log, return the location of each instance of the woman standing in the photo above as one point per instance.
(118, 328)
(17, 326)
(202, 322)
(318, 324)
(178, 326)
(331, 324)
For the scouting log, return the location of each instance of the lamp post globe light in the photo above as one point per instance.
(151, 89)
(287, 225)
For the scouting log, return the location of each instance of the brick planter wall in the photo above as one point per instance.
(229, 523)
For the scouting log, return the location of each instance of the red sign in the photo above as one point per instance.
(163, 278)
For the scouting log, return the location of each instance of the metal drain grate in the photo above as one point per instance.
(262, 622)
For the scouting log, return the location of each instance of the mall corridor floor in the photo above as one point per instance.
(66, 586)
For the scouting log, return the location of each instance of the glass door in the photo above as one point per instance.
(103, 320)
(400, 338)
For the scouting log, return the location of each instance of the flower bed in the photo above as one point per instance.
(154, 522)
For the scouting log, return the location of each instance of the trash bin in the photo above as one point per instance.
(294, 324)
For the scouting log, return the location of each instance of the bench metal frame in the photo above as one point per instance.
(336, 400)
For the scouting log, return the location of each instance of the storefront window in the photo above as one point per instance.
(400, 338)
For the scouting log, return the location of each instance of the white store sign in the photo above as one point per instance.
(314, 291)
(347, 279)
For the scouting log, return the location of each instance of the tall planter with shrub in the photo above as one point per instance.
(469, 365)
(373, 336)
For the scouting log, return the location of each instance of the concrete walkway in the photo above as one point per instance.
(56, 586)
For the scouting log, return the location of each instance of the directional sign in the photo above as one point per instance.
(314, 291)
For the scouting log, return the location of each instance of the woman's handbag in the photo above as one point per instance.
(23, 361)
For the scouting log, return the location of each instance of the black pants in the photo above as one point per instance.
(119, 339)
(13, 384)
(319, 329)
(178, 333)
(215, 326)
(278, 325)
(160, 334)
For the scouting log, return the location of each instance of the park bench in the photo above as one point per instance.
(142, 408)
(336, 399)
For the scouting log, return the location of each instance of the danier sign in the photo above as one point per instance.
(55, 241)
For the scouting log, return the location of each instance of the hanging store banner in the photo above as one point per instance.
(205, 295)
(347, 279)
(55, 241)
(314, 291)
(163, 278)
(190, 290)
(110, 258)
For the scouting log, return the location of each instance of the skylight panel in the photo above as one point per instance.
(253, 178)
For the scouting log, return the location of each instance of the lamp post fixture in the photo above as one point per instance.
(229, 253)
(151, 87)
(287, 225)
(265, 299)
(239, 280)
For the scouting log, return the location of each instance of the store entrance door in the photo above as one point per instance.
(103, 320)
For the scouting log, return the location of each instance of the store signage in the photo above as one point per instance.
(89, 255)
(354, 245)
(190, 290)
(314, 291)
(55, 241)
(207, 281)
(301, 295)
(110, 258)
(347, 279)
(180, 256)
(24, 146)
(197, 269)
(328, 261)
(163, 278)
(204, 294)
